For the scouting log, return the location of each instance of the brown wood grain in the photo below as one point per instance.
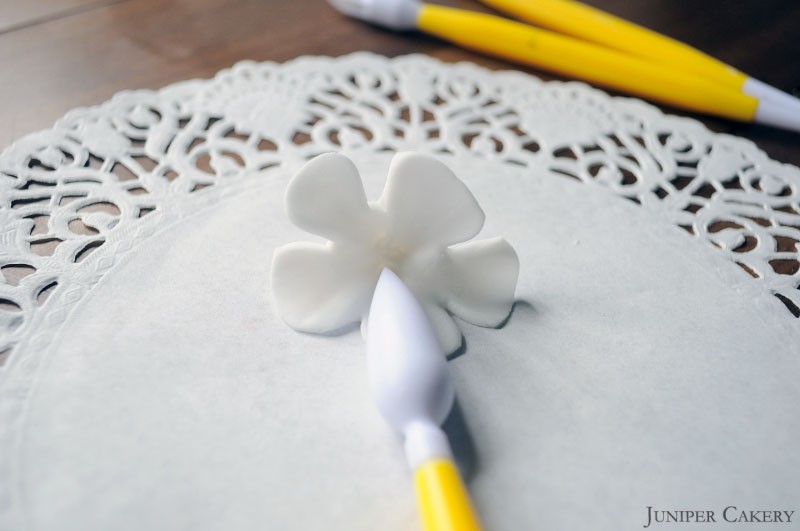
(18, 14)
(70, 53)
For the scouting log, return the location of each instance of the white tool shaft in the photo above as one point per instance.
(407, 370)
(778, 115)
(425, 442)
(400, 15)
(763, 92)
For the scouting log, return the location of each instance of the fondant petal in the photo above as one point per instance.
(427, 204)
(326, 198)
(321, 288)
(482, 276)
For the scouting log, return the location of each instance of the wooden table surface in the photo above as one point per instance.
(59, 54)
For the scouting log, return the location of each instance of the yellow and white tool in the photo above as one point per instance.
(681, 79)
(593, 25)
(409, 379)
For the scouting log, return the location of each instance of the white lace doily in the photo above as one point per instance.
(83, 195)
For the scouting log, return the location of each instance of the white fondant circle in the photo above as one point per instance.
(629, 375)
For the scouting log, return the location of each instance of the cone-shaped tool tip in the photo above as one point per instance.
(407, 370)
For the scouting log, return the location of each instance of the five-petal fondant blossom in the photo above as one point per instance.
(416, 229)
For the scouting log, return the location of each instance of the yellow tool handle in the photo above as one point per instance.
(443, 500)
(574, 58)
(591, 24)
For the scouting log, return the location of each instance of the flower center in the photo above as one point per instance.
(390, 253)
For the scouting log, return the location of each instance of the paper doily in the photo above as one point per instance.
(80, 197)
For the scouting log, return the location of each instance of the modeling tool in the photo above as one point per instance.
(410, 382)
(569, 56)
(591, 24)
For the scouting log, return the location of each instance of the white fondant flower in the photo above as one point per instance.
(424, 210)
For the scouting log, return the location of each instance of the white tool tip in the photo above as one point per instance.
(778, 115)
(394, 14)
(408, 372)
(762, 91)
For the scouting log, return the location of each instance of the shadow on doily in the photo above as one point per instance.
(461, 442)
(455, 426)
(519, 306)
